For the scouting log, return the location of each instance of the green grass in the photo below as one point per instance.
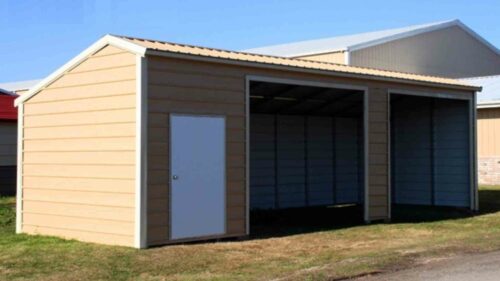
(296, 252)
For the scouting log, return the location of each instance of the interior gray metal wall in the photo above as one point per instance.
(430, 151)
(298, 161)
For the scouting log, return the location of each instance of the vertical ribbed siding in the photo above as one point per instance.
(412, 170)
(430, 147)
(8, 158)
(449, 52)
(316, 158)
(488, 126)
(8, 143)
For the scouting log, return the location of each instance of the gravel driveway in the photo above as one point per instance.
(484, 267)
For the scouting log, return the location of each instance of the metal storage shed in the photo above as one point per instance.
(138, 142)
(8, 140)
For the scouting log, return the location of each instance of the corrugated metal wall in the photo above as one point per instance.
(430, 152)
(8, 157)
(411, 151)
(488, 126)
(301, 161)
(451, 153)
(449, 52)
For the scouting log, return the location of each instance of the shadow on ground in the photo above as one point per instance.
(278, 223)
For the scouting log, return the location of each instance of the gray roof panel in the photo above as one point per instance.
(358, 41)
(491, 88)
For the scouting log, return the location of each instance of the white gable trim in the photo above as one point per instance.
(424, 30)
(106, 40)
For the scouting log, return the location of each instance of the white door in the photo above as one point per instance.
(197, 176)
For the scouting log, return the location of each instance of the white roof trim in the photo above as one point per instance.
(488, 104)
(305, 54)
(401, 35)
(106, 40)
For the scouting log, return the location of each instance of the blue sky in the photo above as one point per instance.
(38, 36)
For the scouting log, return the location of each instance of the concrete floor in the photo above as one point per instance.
(483, 267)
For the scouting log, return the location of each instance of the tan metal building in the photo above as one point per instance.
(139, 142)
(488, 128)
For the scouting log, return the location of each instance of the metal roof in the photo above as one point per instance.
(6, 92)
(19, 85)
(360, 41)
(145, 47)
(490, 95)
(161, 46)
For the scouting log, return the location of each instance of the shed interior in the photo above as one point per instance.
(306, 146)
(430, 151)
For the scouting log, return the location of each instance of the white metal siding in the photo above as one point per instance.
(449, 52)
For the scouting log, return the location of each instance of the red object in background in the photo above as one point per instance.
(7, 109)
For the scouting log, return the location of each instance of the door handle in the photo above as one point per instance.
(175, 177)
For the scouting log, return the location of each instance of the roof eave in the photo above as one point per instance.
(488, 104)
(104, 41)
(304, 54)
(162, 53)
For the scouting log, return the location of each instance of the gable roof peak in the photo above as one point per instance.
(361, 40)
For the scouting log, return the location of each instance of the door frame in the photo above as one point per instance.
(312, 83)
(471, 99)
(170, 176)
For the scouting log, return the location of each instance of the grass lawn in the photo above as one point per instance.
(296, 247)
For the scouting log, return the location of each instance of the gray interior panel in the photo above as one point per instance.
(291, 161)
(262, 164)
(451, 151)
(347, 180)
(320, 169)
(298, 161)
(411, 152)
(430, 151)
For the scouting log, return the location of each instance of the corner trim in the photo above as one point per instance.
(473, 153)
(20, 149)
(366, 136)
(247, 153)
(347, 57)
(140, 236)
